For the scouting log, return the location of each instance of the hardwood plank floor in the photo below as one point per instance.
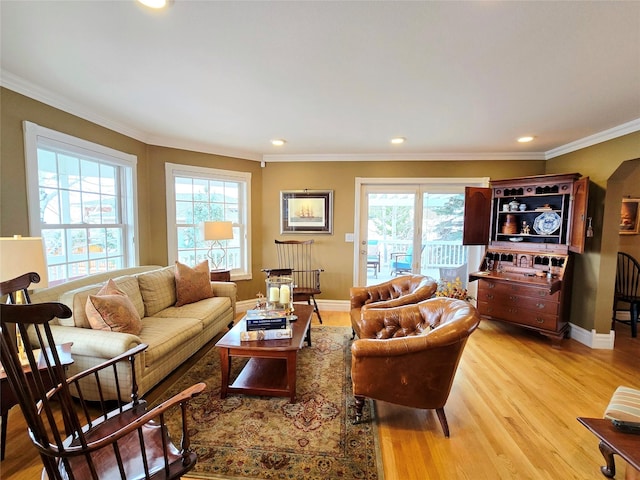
(512, 412)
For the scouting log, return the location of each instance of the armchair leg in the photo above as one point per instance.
(359, 400)
(443, 421)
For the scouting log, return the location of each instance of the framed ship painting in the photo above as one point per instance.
(306, 211)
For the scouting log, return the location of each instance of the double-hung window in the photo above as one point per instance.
(198, 194)
(82, 202)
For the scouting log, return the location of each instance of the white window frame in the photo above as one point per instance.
(172, 171)
(37, 136)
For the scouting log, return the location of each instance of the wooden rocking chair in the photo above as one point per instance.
(82, 440)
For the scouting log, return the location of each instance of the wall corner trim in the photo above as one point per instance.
(602, 341)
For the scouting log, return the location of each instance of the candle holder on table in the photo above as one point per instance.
(280, 294)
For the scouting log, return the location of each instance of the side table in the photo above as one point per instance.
(613, 441)
(220, 275)
(8, 399)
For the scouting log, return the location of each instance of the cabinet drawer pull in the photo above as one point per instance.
(539, 320)
(491, 285)
(490, 297)
(513, 297)
(540, 305)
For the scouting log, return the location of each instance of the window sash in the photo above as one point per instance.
(187, 210)
(93, 220)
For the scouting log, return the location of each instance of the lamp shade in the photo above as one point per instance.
(218, 230)
(20, 255)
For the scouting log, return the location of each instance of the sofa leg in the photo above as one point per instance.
(359, 406)
(443, 421)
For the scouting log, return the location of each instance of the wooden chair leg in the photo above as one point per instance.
(315, 308)
(634, 310)
(3, 435)
(359, 401)
(443, 421)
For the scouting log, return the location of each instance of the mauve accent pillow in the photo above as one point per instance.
(192, 284)
(110, 309)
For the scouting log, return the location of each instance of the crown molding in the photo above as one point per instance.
(28, 89)
(409, 157)
(47, 97)
(194, 146)
(610, 134)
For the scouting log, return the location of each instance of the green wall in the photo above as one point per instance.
(599, 162)
(614, 169)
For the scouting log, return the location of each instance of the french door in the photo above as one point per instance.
(412, 226)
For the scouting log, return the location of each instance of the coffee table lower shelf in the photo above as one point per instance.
(264, 376)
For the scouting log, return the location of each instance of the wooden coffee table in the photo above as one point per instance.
(271, 369)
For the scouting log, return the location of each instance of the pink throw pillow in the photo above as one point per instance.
(192, 284)
(110, 309)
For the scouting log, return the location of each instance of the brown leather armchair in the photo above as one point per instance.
(403, 290)
(409, 355)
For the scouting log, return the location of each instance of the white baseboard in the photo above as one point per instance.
(603, 341)
(329, 305)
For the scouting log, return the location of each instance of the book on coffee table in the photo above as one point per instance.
(266, 320)
(255, 335)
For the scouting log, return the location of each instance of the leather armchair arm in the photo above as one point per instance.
(358, 296)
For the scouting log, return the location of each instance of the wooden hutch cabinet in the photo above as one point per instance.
(532, 225)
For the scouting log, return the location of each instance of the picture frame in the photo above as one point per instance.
(306, 211)
(630, 216)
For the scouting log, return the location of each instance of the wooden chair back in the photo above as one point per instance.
(627, 290)
(295, 259)
(77, 439)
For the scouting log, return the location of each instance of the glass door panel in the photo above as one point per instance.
(387, 233)
(443, 257)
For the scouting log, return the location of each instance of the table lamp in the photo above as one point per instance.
(214, 232)
(20, 255)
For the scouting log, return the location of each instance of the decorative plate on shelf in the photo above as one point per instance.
(547, 223)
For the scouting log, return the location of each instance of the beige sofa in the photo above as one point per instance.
(172, 333)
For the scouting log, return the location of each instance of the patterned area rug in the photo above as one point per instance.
(246, 437)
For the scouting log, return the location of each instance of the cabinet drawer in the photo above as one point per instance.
(508, 288)
(518, 315)
(536, 305)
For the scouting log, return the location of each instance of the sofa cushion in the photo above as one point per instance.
(207, 310)
(111, 309)
(158, 289)
(129, 285)
(163, 335)
(192, 284)
(76, 300)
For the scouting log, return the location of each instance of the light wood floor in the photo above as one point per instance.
(512, 412)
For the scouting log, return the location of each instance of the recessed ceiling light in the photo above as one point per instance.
(278, 142)
(398, 140)
(157, 4)
(525, 139)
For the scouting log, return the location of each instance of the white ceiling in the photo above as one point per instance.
(335, 79)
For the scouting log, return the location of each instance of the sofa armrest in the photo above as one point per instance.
(94, 343)
(226, 289)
